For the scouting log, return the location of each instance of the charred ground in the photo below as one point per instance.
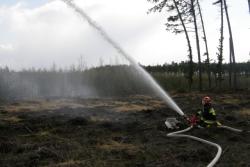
(117, 132)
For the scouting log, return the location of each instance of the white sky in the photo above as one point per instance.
(40, 33)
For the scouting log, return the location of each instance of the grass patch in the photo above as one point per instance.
(114, 145)
(244, 112)
(12, 119)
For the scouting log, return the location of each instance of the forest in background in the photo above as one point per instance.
(110, 81)
(174, 76)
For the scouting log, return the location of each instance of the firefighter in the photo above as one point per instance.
(207, 116)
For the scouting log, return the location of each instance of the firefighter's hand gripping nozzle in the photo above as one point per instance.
(193, 120)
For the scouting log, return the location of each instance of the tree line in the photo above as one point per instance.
(111, 81)
(242, 69)
(180, 72)
(103, 81)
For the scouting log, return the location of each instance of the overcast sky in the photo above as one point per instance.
(42, 32)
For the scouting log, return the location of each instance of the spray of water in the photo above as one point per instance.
(163, 95)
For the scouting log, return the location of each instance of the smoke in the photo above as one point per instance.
(44, 84)
(147, 77)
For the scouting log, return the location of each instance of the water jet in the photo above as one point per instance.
(157, 88)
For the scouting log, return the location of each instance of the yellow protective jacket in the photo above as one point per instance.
(208, 115)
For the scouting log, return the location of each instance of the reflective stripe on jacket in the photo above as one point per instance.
(208, 115)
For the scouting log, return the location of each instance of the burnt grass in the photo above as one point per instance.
(99, 136)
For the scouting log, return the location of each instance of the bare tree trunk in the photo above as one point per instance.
(230, 65)
(191, 68)
(197, 44)
(220, 56)
(220, 48)
(249, 5)
(231, 46)
(206, 45)
(234, 69)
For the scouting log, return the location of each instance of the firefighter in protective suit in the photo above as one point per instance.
(207, 116)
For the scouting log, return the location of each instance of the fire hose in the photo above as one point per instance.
(172, 122)
(231, 129)
(178, 134)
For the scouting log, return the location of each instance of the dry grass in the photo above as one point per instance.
(230, 100)
(244, 112)
(142, 103)
(12, 119)
(114, 145)
(69, 163)
(132, 107)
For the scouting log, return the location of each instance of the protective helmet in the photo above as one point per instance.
(206, 100)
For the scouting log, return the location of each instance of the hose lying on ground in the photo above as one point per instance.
(230, 128)
(219, 152)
